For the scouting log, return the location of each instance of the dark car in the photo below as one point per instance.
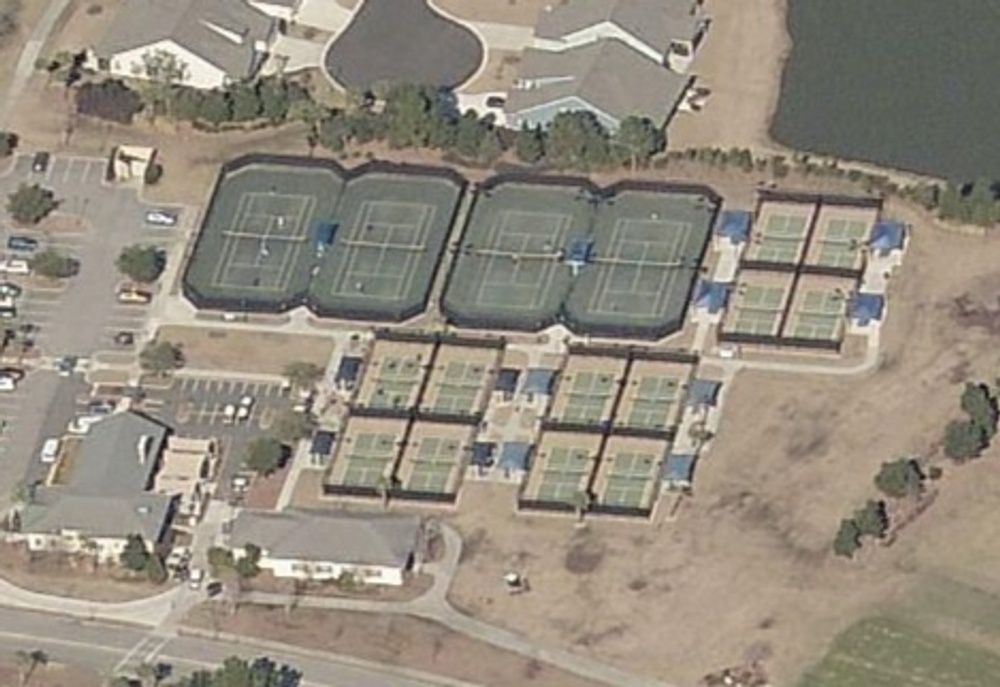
(22, 244)
(40, 163)
(15, 373)
(124, 338)
(496, 102)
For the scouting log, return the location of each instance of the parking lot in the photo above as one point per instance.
(196, 407)
(80, 317)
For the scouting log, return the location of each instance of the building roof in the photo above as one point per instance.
(703, 392)
(482, 454)
(654, 22)
(712, 296)
(734, 225)
(515, 455)
(539, 381)
(322, 443)
(222, 32)
(106, 494)
(507, 380)
(348, 370)
(346, 538)
(866, 307)
(607, 76)
(679, 467)
(888, 235)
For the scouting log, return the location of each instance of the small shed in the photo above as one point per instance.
(866, 308)
(887, 236)
(703, 393)
(507, 380)
(712, 296)
(348, 372)
(321, 447)
(734, 225)
(539, 380)
(483, 454)
(678, 470)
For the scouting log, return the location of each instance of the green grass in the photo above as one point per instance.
(888, 652)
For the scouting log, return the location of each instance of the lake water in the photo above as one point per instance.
(910, 84)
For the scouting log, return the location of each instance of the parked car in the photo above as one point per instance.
(9, 289)
(15, 373)
(50, 451)
(8, 384)
(496, 102)
(134, 296)
(124, 338)
(8, 310)
(101, 406)
(243, 411)
(15, 266)
(67, 365)
(161, 218)
(22, 244)
(196, 576)
(229, 413)
(40, 162)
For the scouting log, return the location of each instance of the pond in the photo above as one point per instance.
(906, 84)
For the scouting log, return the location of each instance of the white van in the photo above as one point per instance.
(8, 383)
(15, 267)
(50, 450)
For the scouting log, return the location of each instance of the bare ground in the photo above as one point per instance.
(67, 576)
(746, 571)
(54, 674)
(516, 12)
(237, 351)
(390, 639)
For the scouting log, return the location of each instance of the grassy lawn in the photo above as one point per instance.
(887, 652)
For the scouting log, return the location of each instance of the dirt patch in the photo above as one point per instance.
(239, 351)
(516, 12)
(395, 640)
(72, 576)
(54, 674)
(498, 75)
(585, 554)
(264, 491)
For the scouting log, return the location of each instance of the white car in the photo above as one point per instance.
(15, 266)
(229, 413)
(243, 412)
(50, 451)
(8, 383)
(161, 218)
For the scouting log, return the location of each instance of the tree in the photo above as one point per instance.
(213, 108)
(160, 70)
(264, 455)
(577, 140)
(110, 100)
(981, 406)
(161, 357)
(28, 662)
(529, 146)
(964, 440)
(8, 143)
(872, 520)
(951, 205)
(637, 140)
(276, 99)
(154, 172)
(900, 478)
(469, 133)
(848, 539)
(291, 427)
(408, 114)
(219, 559)
(53, 264)
(238, 672)
(31, 204)
(135, 556)
(155, 570)
(981, 203)
(491, 147)
(243, 102)
(143, 264)
(303, 375)
(248, 565)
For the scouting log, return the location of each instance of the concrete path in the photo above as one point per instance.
(29, 55)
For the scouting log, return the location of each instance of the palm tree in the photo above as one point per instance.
(27, 662)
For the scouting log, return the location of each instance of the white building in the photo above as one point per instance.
(214, 42)
(318, 545)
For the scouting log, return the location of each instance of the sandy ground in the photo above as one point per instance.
(741, 61)
(499, 74)
(54, 674)
(53, 574)
(746, 571)
(394, 640)
(516, 12)
(235, 351)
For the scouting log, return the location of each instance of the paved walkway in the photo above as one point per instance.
(29, 55)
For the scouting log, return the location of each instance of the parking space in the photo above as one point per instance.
(231, 410)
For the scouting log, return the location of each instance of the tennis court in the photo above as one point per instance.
(564, 474)
(588, 397)
(509, 272)
(759, 309)
(368, 460)
(780, 232)
(395, 383)
(433, 461)
(654, 398)
(391, 231)
(839, 244)
(648, 248)
(628, 473)
(458, 388)
(255, 242)
(818, 310)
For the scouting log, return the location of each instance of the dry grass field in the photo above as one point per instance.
(516, 12)
(238, 351)
(747, 571)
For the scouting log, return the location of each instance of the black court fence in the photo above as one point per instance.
(667, 433)
(833, 346)
(545, 506)
(787, 196)
(594, 509)
(551, 425)
(382, 413)
(394, 493)
(291, 301)
(440, 338)
(634, 353)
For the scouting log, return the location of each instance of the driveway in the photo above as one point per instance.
(402, 41)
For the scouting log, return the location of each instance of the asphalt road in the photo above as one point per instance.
(103, 646)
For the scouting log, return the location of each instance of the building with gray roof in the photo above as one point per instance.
(105, 497)
(324, 545)
(608, 78)
(216, 41)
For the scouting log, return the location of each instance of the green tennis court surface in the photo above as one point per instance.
(840, 243)
(397, 380)
(819, 316)
(653, 401)
(628, 483)
(459, 388)
(759, 310)
(564, 474)
(587, 397)
(370, 459)
(432, 468)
